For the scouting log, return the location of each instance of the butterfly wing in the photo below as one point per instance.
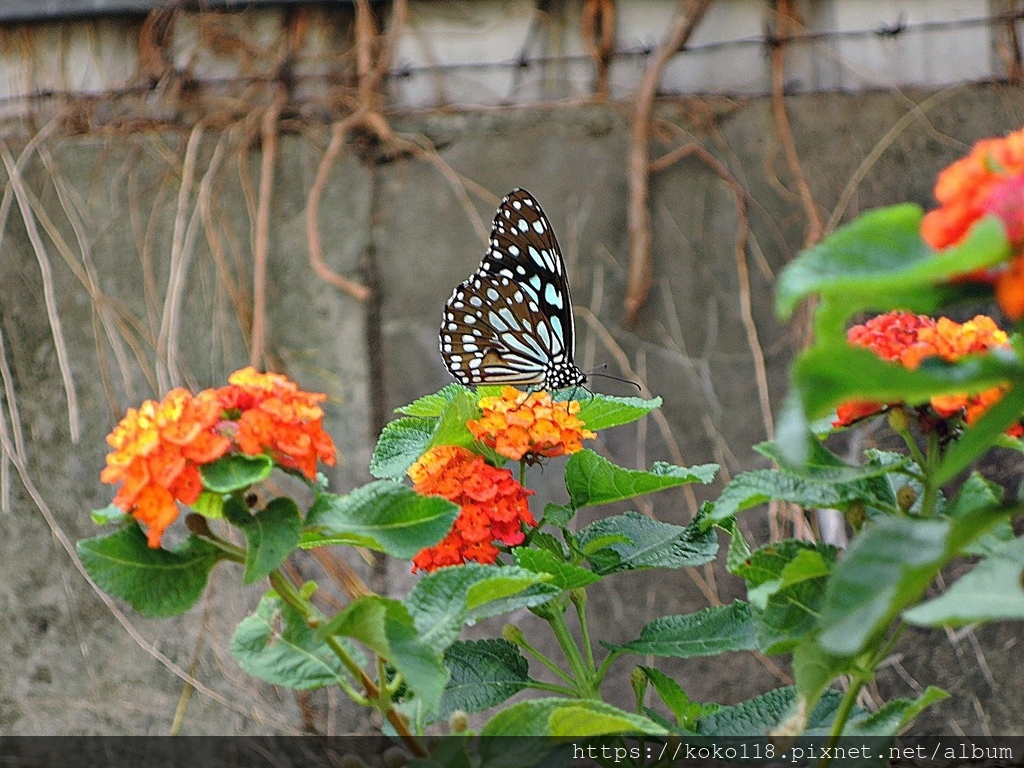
(511, 321)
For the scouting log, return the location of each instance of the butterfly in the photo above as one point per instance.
(511, 321)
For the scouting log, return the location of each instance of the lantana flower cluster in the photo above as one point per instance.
(528, 426)
(494, 505)
(908, 339)
(159, 447)
(990, 180)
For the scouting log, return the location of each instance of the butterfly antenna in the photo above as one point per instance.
(615, 378)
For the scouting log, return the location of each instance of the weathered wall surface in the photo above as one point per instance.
(109, 207)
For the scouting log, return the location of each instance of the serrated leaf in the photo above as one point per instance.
(109, 514)
(762, 714)
(401, 442)
(814, 669)
(567, 717)
(647, 544)
(275, 644)
(760, 486)
(707, 632)
(564, 575)
(484, 673)
(686, 712)
(603, 412)
(432, 406)
(235, 472)
(991, 591)
(385, 627)
(155, 582)
(446, 599)
(385, 516)
(896, 715)
(272, 534)
(591, 479)
(823, 466)
(739, 549)
(558, 514)
(452, 429)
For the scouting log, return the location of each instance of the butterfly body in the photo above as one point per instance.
(511, 321)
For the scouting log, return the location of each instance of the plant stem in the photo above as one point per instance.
(525, 645)
(605, 665)
(551, 687)
(931, 490)
(580, 603)
(584, 682)
(289, 594)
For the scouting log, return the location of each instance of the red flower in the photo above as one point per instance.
(274, 416)
(493, 506)
(990, 180)
(908, 339)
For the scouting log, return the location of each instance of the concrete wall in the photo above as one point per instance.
(107, 205)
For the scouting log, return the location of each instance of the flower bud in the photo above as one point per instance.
(458, 722)
(513, 634)
(578, 597)
(905, 497)
(855, 515)
(899, 421)
(638, 680)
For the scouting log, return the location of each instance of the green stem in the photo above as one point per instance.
(579, 601)
(584, 682)
(291, 595)
(605, 666)
(931, 490)
(525, 645)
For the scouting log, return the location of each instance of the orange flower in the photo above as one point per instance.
(157, 450)
(493, 506)
(908, 339)
(274, 416)
(519, 425)
(990, 180)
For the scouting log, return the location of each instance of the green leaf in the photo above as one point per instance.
(401, 442)
(632, 541)
(707, 632)
(896, 715)
(814, 669)
(155, 582)
(992, 591)
(984, 433)
(446, 599)
(824, 377)
(886, 569)
(558, 514)
(484, 673)
(109, 514)
(823, 466)
(750, 489)
(385, 516)
(786, 587)
(275, 644)
(385, 627)
(567, 718)
(272, 535)
(235, 472)
(432, 406)
(564, 575)
(452, 429)
(739, 549)
(686, 712)
(210, 505)
(603, 412)
(880, 262)
(763, 714)
(591, 479)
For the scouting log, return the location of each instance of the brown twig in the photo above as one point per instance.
(815, 227)
(261, 246)
(316, 255)
(598, 32)
(640, 269)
